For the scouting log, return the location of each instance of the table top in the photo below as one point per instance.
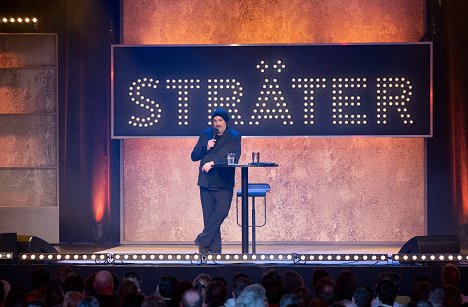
(261, 164)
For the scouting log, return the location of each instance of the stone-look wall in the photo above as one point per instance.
(325, 189)
(28, 135)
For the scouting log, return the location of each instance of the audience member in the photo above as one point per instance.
(237, 286)
(326, 290)
(437, 297)
(216, 291)
(89, 285)
(180, 288)
(451, 277)
(346, 283)
(387, 291)
(421, 291)
(54, 293)
(289, 300)
(39, 280)
(191, 298)
(72, 298)
(303, 295)
(319, 274)
(132, 300)
(89, 301)
(63, 273)
(135, 278)
(343, 303)
(15, 295)
(5, 285)
(2, 294)
(127, 287)
(104, 287)
(200, 283)
(362, 297)
(317, 302)
(395, 279)
(454, 298)
(34, 298)
(73, 283)
(273, 285)
(239, 275)
(166, 287)
(153, 301)
(291, 280)
(252, 296)
(423, 303)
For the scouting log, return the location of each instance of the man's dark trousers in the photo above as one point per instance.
(215, 204)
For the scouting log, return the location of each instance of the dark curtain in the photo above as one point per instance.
(447, 151)
(89, 159)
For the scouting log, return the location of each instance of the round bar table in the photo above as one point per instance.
(245, 196)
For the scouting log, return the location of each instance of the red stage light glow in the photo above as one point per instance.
(99, 189)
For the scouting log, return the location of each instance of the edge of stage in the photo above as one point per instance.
(170, 259)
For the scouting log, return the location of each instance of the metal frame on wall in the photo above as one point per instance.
(382, 90)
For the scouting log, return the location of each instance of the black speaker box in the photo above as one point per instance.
(444, 244)
(33, 244)
(8, 242)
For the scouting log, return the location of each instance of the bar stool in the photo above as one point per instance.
(254, 190)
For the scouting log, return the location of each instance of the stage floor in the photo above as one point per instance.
(232, 248)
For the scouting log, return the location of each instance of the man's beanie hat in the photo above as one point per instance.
(220, 112)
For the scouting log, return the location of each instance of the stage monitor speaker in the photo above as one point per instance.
(33, 244)
(444, 244)
(8, 242)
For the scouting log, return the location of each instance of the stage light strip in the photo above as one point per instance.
(208, 257)
(430, 257)
(64, 257)
(19, 19)
(233, 258)
(6, 255)
(343, 257)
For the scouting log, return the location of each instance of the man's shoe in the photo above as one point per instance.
(201, 249)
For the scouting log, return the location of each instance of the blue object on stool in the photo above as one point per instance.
(254, 190)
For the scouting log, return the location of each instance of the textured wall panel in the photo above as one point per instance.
(340, 189)
(28, 91)
(28, 141)
(326, 189)
(266, 21)
(28, 188)
(27, 50)
(39, 221)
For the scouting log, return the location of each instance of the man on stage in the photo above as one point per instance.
(216, 184)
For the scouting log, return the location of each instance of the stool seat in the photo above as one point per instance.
(256, 190)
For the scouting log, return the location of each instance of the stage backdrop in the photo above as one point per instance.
(325, 189)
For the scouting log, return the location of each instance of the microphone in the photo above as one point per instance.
(215, 133)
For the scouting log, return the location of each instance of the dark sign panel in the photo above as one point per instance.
(273, 90)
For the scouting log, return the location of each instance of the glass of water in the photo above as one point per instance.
(231, 158)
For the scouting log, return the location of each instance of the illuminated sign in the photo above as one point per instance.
(273, 90)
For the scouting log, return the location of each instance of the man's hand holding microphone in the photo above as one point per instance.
(211, 143)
